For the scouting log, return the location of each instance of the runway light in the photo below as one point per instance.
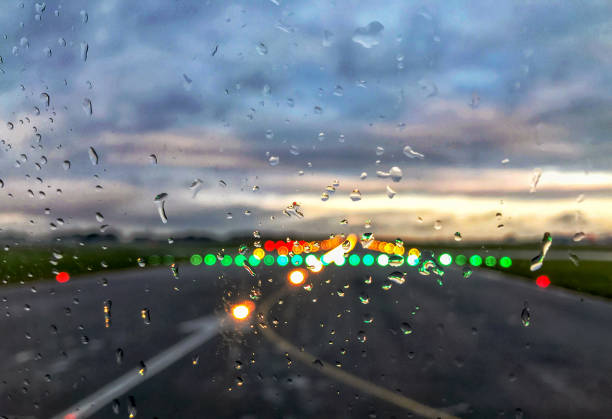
(542, 281)
(195, 260)
(239, 260)
(240, 311)
(311, 260)
(368, 260)
(282, 260)
(259, 253)
(414, 251)
(296, 260)
(490, 261)
(269, 245)
(475, 260)
(268, 260)
(254, 261)
(226, 261)
(297, 277)
(353, 260)
(210, 259)
(382, 260)
(413, 260)
(62, 277)
(505, 262)
(460, 260)
(445, 259)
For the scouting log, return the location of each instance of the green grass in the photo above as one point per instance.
(591, 277)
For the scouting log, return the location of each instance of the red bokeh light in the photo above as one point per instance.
(542, 281)
(62, 277)
(269, 245)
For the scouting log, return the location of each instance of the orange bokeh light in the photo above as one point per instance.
(297, 277)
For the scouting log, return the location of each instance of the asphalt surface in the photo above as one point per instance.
(468, 355)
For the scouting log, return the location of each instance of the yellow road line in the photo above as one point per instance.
(340, 375)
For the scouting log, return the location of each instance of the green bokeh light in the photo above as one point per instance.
(239, 260)
(282, 260)
(505, 262)
(368, 260)
(253, 261)
(490, 261)
(460, 260)
(195, 260)
(323, 262)
(210, 259)
(475, 260)
(354, 260)
(296, 260)
(268, 260)
(226, 261)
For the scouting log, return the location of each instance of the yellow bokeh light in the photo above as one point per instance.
(414, 252)
(399, 250)
(259, 253)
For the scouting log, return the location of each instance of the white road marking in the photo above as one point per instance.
(202, 330)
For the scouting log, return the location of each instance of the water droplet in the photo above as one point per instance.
(361, 336)
(132, 407)
(355, 195)
(87, 107)
(261, 48)
(535, 178)
(467, 272)
(437, 225)
(66, 164)
(395, 173)
(99, 217)
(526, 315)
(116, 406)
(160, 201)
(409, 152)
(196, 186)
(363, 175)
(380, 151)
(406, 328)
(269, 134)
(458, 237)
(578, 236)
(364, 299)
(175, 270)
(153, 159)
(141, 262)
(368, 36)
(338, 90)
(273, 160)
(294, 150)
(45, 98)
(61, 42)
(10, 125)
(84, 51)
(397, 277)
(145, 315)
(93, 156)
(390, 192)
(538, 261)
(366, 239)
(574, 259)
(84, 16)
(328, 38)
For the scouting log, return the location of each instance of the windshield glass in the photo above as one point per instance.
(295, 209)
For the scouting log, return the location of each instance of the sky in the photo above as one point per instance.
(271, 102)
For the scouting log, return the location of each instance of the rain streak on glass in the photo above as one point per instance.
(93, 156)
(160, 202)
